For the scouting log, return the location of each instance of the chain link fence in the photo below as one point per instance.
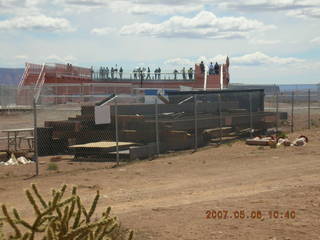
(108, 124)
(302, 108)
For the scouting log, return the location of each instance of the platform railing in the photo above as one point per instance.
(145, 76)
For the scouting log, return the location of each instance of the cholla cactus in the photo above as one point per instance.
(60, 219)
(1, 230)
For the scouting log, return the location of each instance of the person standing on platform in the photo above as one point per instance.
(112, 73)
(190, 73)
(138, 73)
(184, 73)
(159, 73)
(211, 69)
(202, 67)
(143, 71)
(148, 74)
(107, 73)
(115, 71)
(134, 73)
(101, 73)
(175, 72)
(141, 76)
(91, 72)
(155, 74)
(104, 71)
(216, 68)
(120, 72)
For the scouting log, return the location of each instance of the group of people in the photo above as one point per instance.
(113, 73)
(183, 73)
(145, 73)
(142, 73)
(213, 69)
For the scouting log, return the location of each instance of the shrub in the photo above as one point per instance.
(281, 134)
(52, 167)
(314, 123)
(60, 219)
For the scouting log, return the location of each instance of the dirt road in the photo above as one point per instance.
(169, 198)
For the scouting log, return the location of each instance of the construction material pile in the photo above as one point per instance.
(13, 160)
(274, 141)
(179, 123)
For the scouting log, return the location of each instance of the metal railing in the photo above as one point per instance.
(145, 76)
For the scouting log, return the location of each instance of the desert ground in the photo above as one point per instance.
(170, 198)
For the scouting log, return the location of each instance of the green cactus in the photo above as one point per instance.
(59, 219)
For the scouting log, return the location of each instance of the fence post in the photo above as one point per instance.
(220, 116)
(1, 96)
(309, 109)
(277, 112)
(117, 129)
(157, 125)
(250, 114)
(195, 123)
(292, 111)
(35, 135)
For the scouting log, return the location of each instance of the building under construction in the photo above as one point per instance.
(192, 111)
(63, 83)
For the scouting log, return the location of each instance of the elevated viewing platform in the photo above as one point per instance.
(87, 81)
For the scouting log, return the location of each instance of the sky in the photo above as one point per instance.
(268, 41)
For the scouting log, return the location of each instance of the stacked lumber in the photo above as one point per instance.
(176, 125)
(266, 141)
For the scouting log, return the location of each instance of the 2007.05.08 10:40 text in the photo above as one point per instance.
(254, 214)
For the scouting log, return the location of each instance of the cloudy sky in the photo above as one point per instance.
(268, 41)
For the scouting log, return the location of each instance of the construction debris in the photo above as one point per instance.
(276, 142)
(16, 161)
(216, 132)
(300, 141)
(283, 141)
(261, 141)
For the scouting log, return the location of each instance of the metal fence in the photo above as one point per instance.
(138, 126)
(302, 108)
